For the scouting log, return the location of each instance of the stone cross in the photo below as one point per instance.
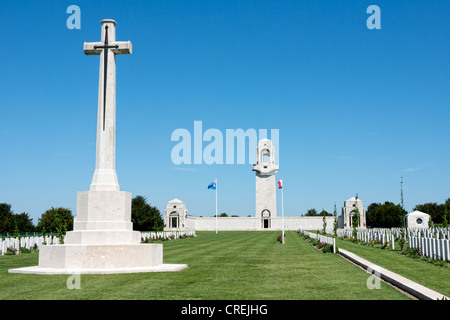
(105, 177)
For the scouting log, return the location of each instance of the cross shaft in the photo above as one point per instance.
(105, 177)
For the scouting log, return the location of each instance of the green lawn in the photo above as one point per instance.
(427, 274)
(230, 265)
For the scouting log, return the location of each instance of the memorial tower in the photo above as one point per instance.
(265, 196)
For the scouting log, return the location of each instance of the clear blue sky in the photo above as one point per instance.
(355, 108)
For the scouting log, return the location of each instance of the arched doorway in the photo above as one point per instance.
(174, 219)
(265, 219)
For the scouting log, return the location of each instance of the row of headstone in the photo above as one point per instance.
(433, 242)
(167, 235)
(35, 242)
(14, 244)
(367, 235)
(435, 232)
(380, 235)
(344, 233)
(9, 244)
(434, 248)
(383, 238)
(321, 238)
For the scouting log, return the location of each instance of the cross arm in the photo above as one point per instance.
(123, 47)
(89, 48)
(117, 47)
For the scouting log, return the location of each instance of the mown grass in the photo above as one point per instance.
(424, 273)
(229, 265)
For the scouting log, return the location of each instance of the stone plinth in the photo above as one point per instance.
(103, 210)
(80, 256)
(103, 217)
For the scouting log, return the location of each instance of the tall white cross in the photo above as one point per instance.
(105, 177)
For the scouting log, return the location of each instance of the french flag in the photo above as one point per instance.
(280, 184)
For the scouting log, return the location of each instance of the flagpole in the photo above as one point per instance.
(216, 205)
(282, 213)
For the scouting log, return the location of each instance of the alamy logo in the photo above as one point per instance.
(374, 21)
(373, 282)
(74, 282)
(74, 20)
(213, 152)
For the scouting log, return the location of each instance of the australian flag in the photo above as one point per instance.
(212, 185)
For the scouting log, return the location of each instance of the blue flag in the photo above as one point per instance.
(212, 185)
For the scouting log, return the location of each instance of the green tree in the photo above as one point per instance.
(445, 221)
(402, 240)
(60, 225)
(324, 222)
(324, 213)
(24, 222)
(54, 220)
(335, 227)
(6, 218)
(16, 230)
(387, 215)
(223, 214)
(144, 216)
(446, 206)
(311, 213)
(355, 218)
(438, 212)
(372, 214)
(435, 211)
(401, 193)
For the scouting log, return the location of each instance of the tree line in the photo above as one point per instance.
(314, 213)
(390, 215)
(144, 217)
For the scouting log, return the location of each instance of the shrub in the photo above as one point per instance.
(10, 251)
(402, 240)
(440, 263)
(24, 250)
(412, 252)
(305, 236)
(327, 248)
(320, 245)
(324, 247)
